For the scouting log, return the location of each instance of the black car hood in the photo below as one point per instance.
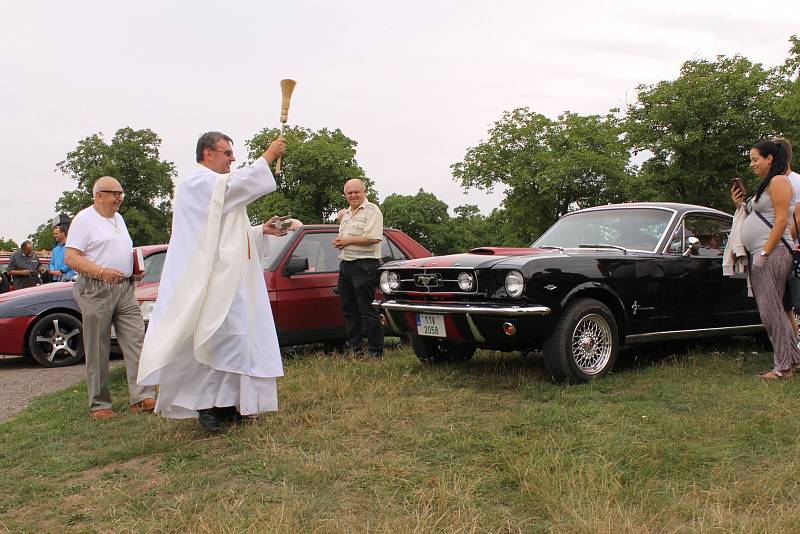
(488, 257)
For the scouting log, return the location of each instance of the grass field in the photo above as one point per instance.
(681, 438)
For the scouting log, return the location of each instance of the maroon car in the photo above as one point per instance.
(44, 322)
(301, 274)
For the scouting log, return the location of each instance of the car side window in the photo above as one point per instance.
(389, 251)
(712, 233)
(153, 265)
(318, 248)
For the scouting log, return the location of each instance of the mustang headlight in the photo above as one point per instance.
(514, 284)
(389, 281)
(147, 309)
(394, 281)
(383, 281)
(466, 282)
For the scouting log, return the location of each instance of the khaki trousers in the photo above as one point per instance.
(101, 306)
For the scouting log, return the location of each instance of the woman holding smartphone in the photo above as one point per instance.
(763, 230)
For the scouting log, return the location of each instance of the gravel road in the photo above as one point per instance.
(22, 381)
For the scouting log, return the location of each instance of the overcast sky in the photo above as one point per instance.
(415, 83)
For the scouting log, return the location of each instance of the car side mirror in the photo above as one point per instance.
(296, 264)
(693, 246)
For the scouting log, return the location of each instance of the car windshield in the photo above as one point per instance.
(628, 228)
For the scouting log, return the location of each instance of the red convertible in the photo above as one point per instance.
(301, 273)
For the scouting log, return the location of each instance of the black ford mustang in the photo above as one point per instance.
(597, 279)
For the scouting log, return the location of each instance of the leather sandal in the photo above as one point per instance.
(777, 375)
(144, 405)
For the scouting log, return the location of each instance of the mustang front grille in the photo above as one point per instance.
(439, 280)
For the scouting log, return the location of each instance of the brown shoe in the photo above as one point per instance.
(144, 405)
(102, 413)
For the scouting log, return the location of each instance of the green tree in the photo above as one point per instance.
(42, 238)
(697, 130)
(132, 157)
(471, 229)
(314, 170)
(787, 86)
(422, 216)
(8, 244)
(547, 167)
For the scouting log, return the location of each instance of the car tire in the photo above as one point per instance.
(433, 350)
(56, 340)
(584, 344)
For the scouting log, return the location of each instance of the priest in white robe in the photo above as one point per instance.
(211, 342)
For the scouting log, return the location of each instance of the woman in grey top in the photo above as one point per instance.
(770, 260)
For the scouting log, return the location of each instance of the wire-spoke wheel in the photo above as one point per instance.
(591, 344)
(584, 344)
(56, 340)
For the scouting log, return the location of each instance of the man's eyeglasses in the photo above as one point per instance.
(228, 153)
(117, 194)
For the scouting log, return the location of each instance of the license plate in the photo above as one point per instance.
(430, 325)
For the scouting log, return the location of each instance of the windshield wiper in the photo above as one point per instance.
(599, 245)
(552, 246)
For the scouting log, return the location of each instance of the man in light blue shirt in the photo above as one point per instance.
(60, 271)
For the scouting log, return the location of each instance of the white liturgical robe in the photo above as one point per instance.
(211, 340)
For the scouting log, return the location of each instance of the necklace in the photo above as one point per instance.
(109, 221)
(114, 224)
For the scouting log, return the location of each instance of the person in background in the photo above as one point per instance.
(59, 270)
(793, 299)
(763, 230)
(25, 267)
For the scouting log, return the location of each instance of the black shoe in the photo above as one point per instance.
(211, 420)
(230, 414)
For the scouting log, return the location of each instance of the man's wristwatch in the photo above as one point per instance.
(764, 253)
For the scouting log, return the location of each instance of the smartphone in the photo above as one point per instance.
(739, 184)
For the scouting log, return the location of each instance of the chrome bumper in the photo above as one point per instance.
(464, 309)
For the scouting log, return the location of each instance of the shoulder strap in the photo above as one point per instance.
(788, 246)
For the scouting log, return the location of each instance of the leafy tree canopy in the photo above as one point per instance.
(132, 157)
(698, 129)
(425, 218)
(313, 172)
(8, 244)
(547, 167)
(42, 238)
(422, 216)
